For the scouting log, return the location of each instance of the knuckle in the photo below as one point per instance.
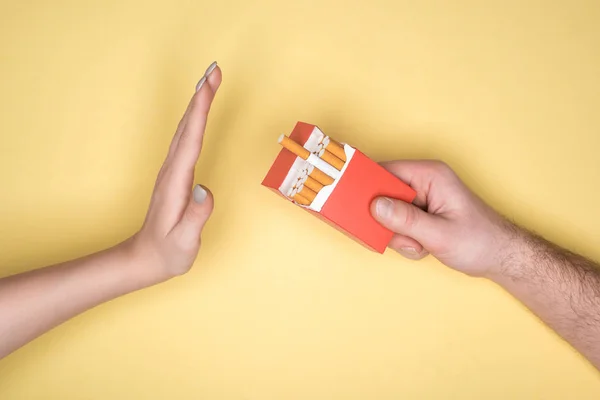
(440, 166)
(410, 217)
(191, 214)
(443, 170)
(198, 213)
(184, 140)
(188, 138)
(387, 164)
(163, 177)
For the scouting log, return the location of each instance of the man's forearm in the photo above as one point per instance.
(562, 288)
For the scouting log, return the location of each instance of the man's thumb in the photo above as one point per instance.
(404, 218)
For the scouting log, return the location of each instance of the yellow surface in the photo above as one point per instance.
(90, 93)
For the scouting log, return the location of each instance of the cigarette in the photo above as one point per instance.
(307, 193)
(306, 155)
(292, 192)
(301, 200)
(297, 197)
(319, 176)
(294, 147)
(331, 159)
(301, 173)
(334, 148)
(326, 168)
(302, 180)
(312, 184)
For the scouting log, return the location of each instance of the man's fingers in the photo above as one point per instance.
(418, 174)
(408, 247)
(187, 231)
(408, 220)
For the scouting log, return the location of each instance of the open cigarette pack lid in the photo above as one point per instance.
(336, 183)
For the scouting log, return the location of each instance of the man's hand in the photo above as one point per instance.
(459, 229)
(446, 220)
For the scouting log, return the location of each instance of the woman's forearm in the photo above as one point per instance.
(166, 246)
(34, 302)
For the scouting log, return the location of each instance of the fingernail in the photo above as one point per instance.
(199, 194)
(409, 251)
(384, 208)
(200, 83)
(210, 69)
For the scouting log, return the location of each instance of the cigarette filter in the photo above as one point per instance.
(334, 148)
(331, 159)
(312, 184)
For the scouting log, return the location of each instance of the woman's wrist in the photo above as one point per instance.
(142, 262)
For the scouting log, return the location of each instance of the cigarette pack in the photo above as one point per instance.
(336, 183)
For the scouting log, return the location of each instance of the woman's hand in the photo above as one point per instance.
(169, 240)
(34, 302)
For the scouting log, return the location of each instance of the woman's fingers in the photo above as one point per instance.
(180, 128)
(213, 76)
(174, 142)
(214, 79)
(190, 143)
(172, 191)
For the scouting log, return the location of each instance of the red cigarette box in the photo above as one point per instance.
(345, 204)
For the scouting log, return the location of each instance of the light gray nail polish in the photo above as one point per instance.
(199, 194)
(210, 69)
(200, 83)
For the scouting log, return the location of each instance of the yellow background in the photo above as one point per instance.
(507, 92)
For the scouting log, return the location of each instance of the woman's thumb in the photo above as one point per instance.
(195, 216)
